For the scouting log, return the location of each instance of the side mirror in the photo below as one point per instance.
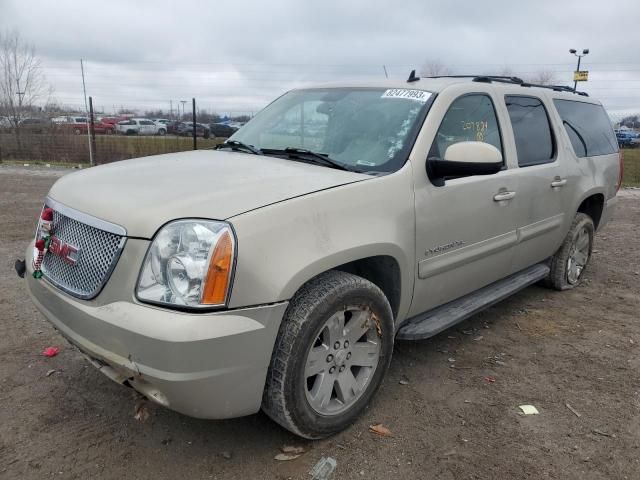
(464, 159)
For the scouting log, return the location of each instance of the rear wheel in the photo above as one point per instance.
(570, 261)
(162, 132)
(332, 352)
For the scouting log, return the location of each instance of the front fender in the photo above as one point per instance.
(282, 246)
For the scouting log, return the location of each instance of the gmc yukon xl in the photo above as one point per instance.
(277, 271)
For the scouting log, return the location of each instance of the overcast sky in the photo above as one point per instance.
(236, 56)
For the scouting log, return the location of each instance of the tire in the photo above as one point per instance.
(162, 132)
(77, 131)
(570, 261)
(131, 132)
(318, 405)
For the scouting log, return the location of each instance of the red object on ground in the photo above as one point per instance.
(51, 351)
(47, 214)
(489, 379)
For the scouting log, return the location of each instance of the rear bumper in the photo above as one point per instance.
(209, 365)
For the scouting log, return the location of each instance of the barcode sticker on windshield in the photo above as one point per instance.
(417, 95)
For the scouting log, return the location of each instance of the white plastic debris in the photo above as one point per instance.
(529, 409)
(324, 468)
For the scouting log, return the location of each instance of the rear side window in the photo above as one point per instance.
(588, 127)
(531, 130)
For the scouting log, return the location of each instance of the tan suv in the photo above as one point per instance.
(277, 271)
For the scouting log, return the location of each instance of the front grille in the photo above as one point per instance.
(98, 252)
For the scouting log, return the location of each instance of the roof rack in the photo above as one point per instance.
(501, 79)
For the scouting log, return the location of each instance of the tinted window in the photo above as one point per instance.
(588, 127)
(146, 122)
(531, 130)
(470, 118)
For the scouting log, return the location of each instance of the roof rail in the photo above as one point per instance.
(502, 79)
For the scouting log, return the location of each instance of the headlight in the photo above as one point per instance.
(189, 263)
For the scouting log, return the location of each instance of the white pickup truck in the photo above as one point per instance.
(140, 126)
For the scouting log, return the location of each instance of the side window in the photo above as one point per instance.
(531, 130)
(470, 118)
(588, 127)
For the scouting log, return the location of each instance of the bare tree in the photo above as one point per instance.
(434, 68)
(22, 82)
(543, 77)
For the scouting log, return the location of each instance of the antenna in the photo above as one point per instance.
(412, 77)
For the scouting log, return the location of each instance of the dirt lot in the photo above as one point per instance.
(450, 421)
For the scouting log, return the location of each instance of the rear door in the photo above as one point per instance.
(543, 182)
(465, 227)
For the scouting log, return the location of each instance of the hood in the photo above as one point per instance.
(143, 194)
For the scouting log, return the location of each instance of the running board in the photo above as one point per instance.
(440, 318)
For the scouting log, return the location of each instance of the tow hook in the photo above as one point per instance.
(21, 267)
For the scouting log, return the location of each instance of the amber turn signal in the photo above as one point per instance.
(219, 273)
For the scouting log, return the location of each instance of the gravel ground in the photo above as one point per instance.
(451, 402)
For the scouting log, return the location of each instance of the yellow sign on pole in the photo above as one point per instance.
(581, 76)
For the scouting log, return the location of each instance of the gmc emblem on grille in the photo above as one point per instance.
(69, 253)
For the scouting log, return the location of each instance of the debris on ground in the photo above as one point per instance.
(380, 430)
(141, 412)
(604, 434)
(291, 449)
(403, 382)
(478, 338)
(226, 455)
(529, 409)
(51, 351)
(573, 410)
(285, 457)
(324, 468)
(489, 380)
(51, 372)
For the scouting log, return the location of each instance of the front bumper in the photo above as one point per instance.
(205, 365)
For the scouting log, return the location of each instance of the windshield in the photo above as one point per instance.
(364, 129)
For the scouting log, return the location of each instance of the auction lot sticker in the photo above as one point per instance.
(408, 94)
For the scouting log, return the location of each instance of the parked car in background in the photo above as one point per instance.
(186, 129)
(162, 121)
(34, 125)
(222, 130)
(5, 123)
(140, 126)
(627, 138)
(79, 126)
(112, 120)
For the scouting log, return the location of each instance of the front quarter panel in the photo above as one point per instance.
(282, 246)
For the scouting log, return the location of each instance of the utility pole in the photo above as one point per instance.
(195, 132)
(584, 52)
(86, 108)
(182, 102)
(171, 109)
(386, 75)
(92, 126)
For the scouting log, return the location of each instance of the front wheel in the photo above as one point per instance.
(332, 352)
(570, 261)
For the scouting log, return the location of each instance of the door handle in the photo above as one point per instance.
(559, 183)
(499, 197)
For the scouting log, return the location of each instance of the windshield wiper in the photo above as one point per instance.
(309, 155)
(238, 145)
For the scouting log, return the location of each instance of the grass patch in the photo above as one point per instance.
(631, 167)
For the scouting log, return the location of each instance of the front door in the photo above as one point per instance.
(466, 227)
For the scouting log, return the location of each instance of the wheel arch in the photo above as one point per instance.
(383, 268)
(593, 205)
